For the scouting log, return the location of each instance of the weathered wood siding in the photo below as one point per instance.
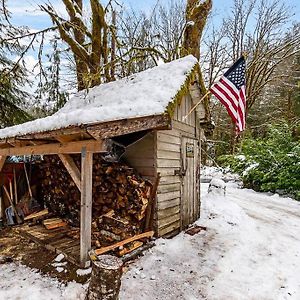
(141, 156)
(168, 160)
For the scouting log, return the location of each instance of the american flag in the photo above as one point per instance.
(230, 90)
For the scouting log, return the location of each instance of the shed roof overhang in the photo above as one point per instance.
(72, 139)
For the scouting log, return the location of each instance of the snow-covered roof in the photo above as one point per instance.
(142, 94)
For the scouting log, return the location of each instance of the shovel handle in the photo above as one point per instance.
(26, 175)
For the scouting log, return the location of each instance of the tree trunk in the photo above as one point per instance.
(196, 15)
(106, 278)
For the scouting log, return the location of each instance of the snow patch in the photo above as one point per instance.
(20, 282)
(59, 264)
(251, 167)
(59, 257)
(84, 272)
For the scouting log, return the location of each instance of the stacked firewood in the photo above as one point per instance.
(120, 198)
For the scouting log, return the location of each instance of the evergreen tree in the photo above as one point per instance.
(49, 96)
(12, 76)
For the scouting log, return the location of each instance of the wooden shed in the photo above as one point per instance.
(146, 113)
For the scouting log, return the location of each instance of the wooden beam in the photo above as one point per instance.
(2, 161)
(55, 148)
(105, 129)
(71, 167)
(125, 126)
(86, 205)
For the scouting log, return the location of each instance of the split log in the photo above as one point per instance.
(54, 223)
(103, 250)
(105, 279)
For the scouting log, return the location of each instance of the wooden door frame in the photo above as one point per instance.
(182, 137)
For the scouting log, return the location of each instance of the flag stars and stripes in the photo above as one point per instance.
(230, 90)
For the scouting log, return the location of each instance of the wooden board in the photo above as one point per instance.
(37, 214)
(56, 240)
(86, 205)
(103, 250)
(55, 148)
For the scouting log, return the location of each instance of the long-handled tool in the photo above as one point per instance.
(19, 221)
(10, 178)
(15, 187)
(33, 202)
(1, 213)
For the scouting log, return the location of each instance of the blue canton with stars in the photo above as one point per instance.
(236, 74)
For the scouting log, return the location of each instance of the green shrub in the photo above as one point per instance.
(271, 163)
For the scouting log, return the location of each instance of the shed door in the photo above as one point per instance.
(190, 200)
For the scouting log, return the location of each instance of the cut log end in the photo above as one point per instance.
(108, 262)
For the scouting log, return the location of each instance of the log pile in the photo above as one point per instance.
(120, 198)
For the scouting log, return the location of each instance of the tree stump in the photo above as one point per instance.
(106, 278)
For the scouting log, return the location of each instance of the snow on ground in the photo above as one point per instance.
(250, 250)
(18, 282)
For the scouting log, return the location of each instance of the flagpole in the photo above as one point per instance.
(193, 108)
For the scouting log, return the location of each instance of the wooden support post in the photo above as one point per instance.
(86, 206)
(2, 161)
(71, 167)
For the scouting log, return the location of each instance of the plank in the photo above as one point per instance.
(169, 179)
(166, 188)
(167, 171)
(168, 220)
(168, 163)
(182, 127)
(161, 145)
(169, 203)
(59, 242)
(73, 250)
(168, 154)
(71, 167)
(163, 213)
(36, 215)
(141, 161)
(103, 250)
(86, 204)
(126, 126)
(168, 196)
(67, 244)
(170, 228)
(164, 137)
(56, 148)
(2, 161)
(55, 237)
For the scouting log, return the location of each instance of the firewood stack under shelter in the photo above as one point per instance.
(120, 198)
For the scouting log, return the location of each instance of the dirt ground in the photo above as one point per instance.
(31, 254)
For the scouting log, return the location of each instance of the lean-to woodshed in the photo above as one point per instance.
(144, 115)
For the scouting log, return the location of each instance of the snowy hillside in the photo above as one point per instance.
(250, 250)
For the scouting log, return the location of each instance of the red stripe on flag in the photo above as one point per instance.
(230, 89)
(228, 97)
(232, 115)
